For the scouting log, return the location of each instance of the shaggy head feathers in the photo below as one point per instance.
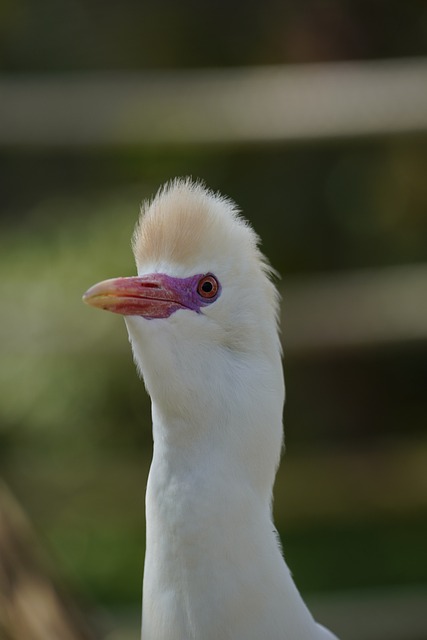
(185, 221)
(194, 229)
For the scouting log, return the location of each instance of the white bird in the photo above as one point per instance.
(202, 317)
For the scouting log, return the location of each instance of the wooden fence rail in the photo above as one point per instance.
(210, 106)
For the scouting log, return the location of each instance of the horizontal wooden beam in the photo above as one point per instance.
(211, 106)
(368, 307)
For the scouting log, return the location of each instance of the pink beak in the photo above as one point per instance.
(150, 296)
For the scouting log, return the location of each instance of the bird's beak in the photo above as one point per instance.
(150, 296)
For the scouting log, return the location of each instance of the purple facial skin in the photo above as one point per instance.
(156, 295)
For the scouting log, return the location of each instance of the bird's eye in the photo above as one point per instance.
(207, 287)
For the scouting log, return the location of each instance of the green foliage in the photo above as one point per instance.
(353, 555)
(56, 373)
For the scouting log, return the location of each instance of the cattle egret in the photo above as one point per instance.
(202, 318)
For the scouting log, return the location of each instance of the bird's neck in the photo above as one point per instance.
(213, 564)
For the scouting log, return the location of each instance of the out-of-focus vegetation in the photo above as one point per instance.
(75, 419)
(75, 436)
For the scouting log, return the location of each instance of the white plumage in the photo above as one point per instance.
(202, 321)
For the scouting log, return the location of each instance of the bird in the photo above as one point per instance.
(202, 315)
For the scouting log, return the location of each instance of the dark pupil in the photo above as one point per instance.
(207, 286)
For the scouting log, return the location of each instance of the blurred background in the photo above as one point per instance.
(312, 116)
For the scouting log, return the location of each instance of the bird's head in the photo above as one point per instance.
(202, 311)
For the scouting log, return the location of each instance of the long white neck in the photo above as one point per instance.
(214, 568)
(213, 565)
